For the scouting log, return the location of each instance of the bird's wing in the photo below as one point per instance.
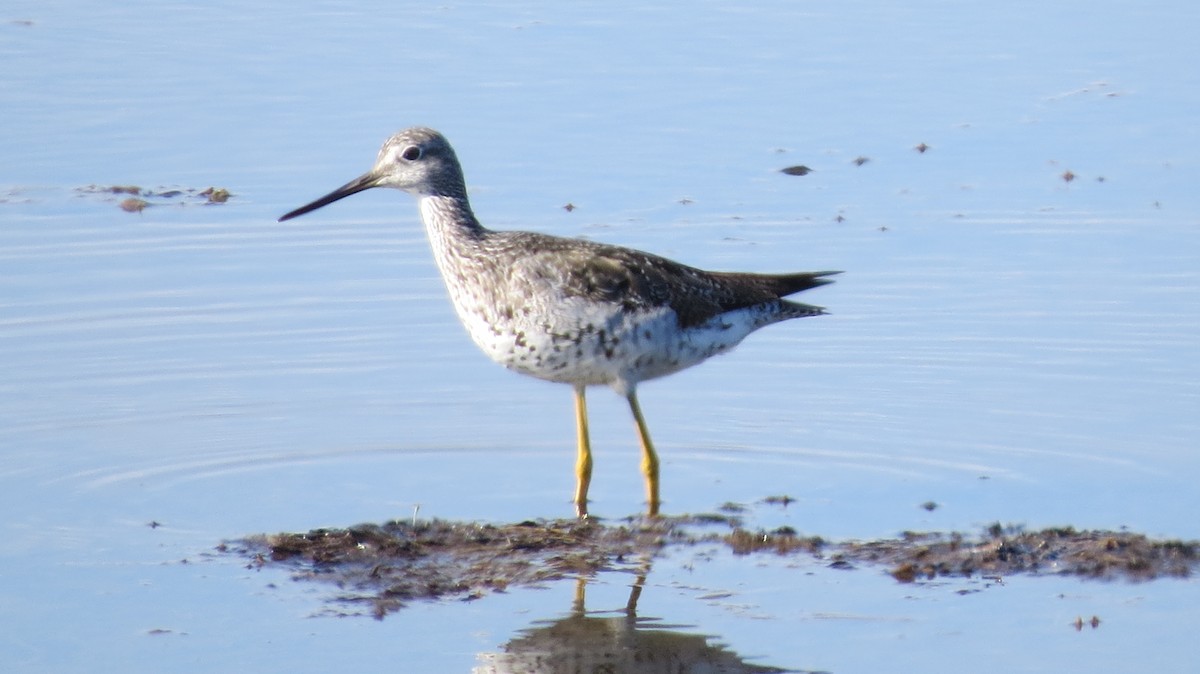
(637, 280)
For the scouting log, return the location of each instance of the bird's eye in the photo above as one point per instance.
(411, 153)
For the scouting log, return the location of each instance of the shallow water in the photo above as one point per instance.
(1008, 344)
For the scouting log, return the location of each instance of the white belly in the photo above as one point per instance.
(579, 342)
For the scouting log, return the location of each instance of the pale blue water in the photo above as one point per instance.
(1013, 346)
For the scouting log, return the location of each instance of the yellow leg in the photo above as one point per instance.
(583, 461)
(649, 457)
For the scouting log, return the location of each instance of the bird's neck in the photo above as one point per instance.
(454, 233)
(448, 219)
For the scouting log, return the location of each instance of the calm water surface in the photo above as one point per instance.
(1009, 344)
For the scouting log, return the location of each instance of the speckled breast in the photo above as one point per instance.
(581, 342)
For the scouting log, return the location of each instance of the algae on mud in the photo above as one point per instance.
(388, 565)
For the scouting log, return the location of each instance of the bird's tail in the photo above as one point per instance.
(790, 284)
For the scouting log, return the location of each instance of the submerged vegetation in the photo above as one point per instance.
(394, 563)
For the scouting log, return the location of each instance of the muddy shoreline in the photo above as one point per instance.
(391, 564)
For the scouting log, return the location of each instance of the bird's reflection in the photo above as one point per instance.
(621, 644)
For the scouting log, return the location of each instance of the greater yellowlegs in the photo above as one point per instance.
(574, 311)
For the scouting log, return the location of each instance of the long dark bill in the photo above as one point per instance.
(364, 182)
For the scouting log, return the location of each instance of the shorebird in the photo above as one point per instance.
(574, 311)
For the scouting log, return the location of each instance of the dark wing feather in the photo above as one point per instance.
(638, 280)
